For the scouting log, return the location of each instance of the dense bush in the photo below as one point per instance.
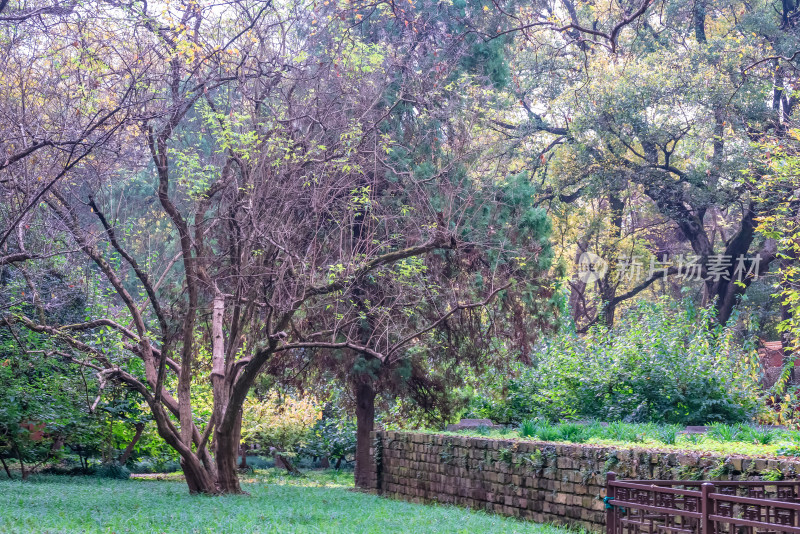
(333, 437)
(45, 419)
(661, 362)
(115, 471)
(41, 404)
(283, 422)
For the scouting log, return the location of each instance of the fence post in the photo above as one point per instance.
(611, 492)
(706, 525)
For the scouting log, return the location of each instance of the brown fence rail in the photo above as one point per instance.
(698, 507)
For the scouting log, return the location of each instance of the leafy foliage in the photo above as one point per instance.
(778, 189)
(638, 147)
(667, 434)
(283, 422)
(362, 201)
(778, 192)
(759, 435)
(723, 432)
(662, 362)
(40, 404)
(333, 437)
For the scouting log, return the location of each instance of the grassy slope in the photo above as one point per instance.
(320, 502)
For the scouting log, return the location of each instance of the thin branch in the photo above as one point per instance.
(644, 285)
(100, 322)
(140, 274)
(25, 15)
(328, 345)
(442, 241)
(71, 163)
(611, 37)
(771, 58)
(16, 257)
(444, 317)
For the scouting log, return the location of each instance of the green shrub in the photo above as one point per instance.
(759, 435)
(573, 432)
(115, 471)
(72, 471)
(662, 362)
(723, 432)
(620, 431)
(528, 428)
(257, 462)
(279, 421)
(667, 434)
(694, 439)
(155, 465)
(545, 431)
(169, 466)
(142, 466)
(332, 437)
(595, 429)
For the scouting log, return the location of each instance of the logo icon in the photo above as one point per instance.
(591, 267)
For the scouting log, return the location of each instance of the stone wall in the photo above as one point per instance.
(543, 482)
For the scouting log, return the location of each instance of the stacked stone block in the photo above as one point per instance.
(544, 482)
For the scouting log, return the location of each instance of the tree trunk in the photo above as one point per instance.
(283, 462)
(243, 456)
(22, 469)
(226, 439)
(123, 458)
(788, 7)
(5, 466)
(197, 477)
(581, 312)
(786, 315)
(226, 448)
(609, 282)
(699, 20)
(726, 292)
(365, 422)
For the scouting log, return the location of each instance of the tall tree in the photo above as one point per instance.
(286, 190)
(660, 125)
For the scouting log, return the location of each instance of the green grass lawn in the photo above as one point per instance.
(318, 502)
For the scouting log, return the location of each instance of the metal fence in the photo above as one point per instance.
(699, 507)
